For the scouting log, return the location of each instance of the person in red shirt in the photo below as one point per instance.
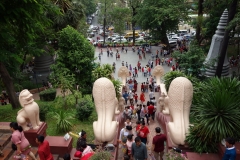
(136, 72)
(136, 98)
(143, 132)
(158, 144)
(142, 97)
(43, 148)
(151, 110)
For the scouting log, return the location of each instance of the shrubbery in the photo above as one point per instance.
(84, 108)
(43, 110)
(48, 95)
(216, 109)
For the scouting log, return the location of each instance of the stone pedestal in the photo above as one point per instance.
(203, 156)
(58, 145)
(215, 49)
(31, 134)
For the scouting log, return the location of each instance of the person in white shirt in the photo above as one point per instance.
(125, 132)
(154, 101)
(151, 95)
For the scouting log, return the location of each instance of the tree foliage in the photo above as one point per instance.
(119, 17)
(75, 55)
(23, 31)
(161, 16)
(193, 58)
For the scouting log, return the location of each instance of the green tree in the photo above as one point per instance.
(193, 59)
(120, 16)
(76, 54)
(23, 30)
(62, 78)
(89, 6)
(104, 70)
(161, 16)
(71, 14)
(134, 5)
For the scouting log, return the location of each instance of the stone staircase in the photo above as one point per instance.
(5, 142)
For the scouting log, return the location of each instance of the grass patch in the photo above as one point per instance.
(10, 115)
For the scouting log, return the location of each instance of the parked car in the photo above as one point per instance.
(91, 34)
(99, 41)
(110, 38)
(102, 33)
(140, 39)
(118, 40)
(174, 39)
(172, 44)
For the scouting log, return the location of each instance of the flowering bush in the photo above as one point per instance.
(172, 155)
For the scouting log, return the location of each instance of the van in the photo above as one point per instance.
(129, 35)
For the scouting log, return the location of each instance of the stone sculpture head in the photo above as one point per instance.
(180, 99)
(158, 72)
(25, 97)
(105, 102)
(123, 72)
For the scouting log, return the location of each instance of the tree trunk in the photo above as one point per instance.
(199, 23)
(223, 50)
(133, 23)
(8, 82)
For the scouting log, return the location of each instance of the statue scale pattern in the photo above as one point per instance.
(105, 102)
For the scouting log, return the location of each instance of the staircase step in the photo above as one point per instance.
(33, 150)
(7, 153)
(4, 139)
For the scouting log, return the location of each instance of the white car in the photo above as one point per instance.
(110, 38)
(172, 44)
(174, 39)
(118, 37)
(99, 41)
(122, 40)
(140, 39)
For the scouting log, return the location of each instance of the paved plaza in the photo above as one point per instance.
(131, 58)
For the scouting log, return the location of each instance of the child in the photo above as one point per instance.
(128, 122)
(230, 153)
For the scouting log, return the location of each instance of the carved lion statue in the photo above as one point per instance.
(28, 116)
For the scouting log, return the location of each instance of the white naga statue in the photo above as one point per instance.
(28, 116)
(105, 102)
(123, 72)
(158, 72)
(180, 96)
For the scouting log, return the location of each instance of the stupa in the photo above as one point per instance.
(215, 48)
